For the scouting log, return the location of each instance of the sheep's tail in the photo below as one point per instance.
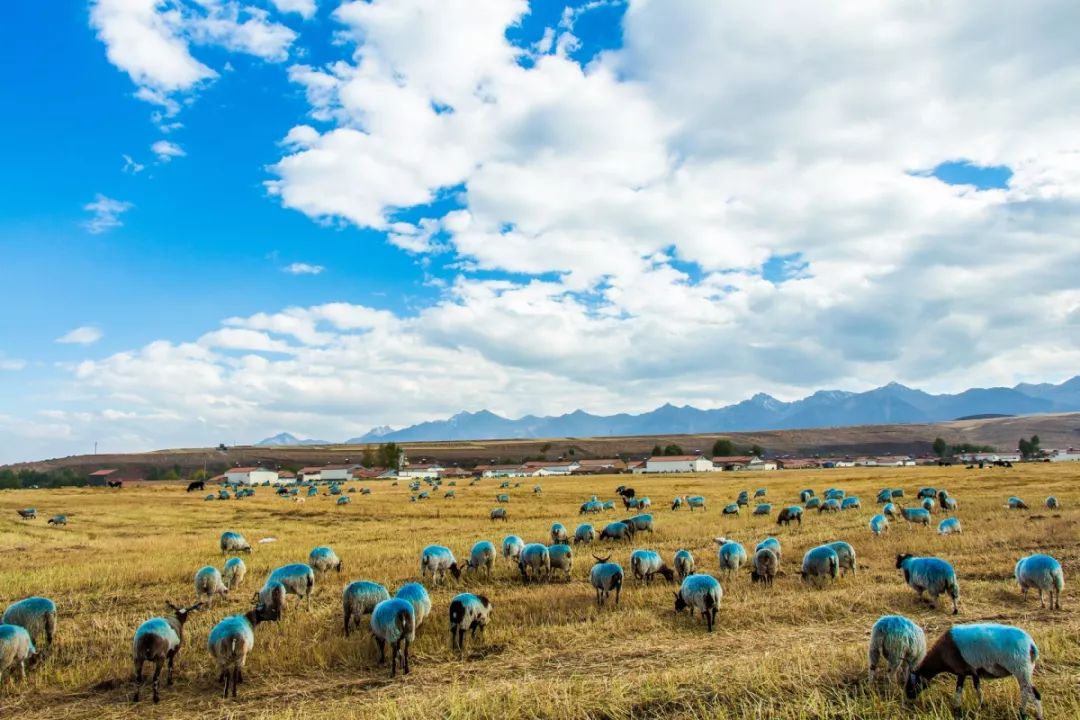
(233, 642)
(1033, 652)
(954, 589)
(1059, 580)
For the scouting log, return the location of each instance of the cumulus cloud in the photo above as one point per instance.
(105, 213)
(303, 8)
(300, 268)
(84, 335)
(152, 41)
(166, 150)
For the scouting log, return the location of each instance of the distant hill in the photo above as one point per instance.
(288, 440)
(889, 404)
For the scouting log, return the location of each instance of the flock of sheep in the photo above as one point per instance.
(978, 651)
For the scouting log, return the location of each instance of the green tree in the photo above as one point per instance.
(940, 447)
(673, 449)
(723, 448)
(757, 450)
(369, 457)
(199, 475)
(657, 450)
(389, 454)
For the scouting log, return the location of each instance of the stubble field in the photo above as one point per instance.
(550, 652)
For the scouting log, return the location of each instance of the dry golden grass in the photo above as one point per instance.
(790, 652)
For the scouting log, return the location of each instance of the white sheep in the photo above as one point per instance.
(899, 642)
(208, 585)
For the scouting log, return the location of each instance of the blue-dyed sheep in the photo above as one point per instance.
(846, 553)
(293, 579)
(731, 555)
(764, 566)
(438, 560)
(590, 507)
(234, 573)
(208, 584)
(684, 563)
(812, 503)
(37, 615)
(58, 520)
(646, 563)
(928, 505)
(158, 640)
(360, 598)
(931, 575)
(502, 498)
(1052, 503)
(763, 509)
(948, 526)
(16, 649)
(1043, 573)
(879, 524)
(772, 544)
(416, 595)
(898, 492)
(703, 593)
(323, 559)
(760, 493)
(916, 516)
(233, 542)
(481, 557)
(499, 514)
(394, 622)
(534, 563)
(617, 531)
(850, 503)
(640, 523)
(883, 497)
(695, 501)
(890, 510)
(512, 546)
(981, 650)
(732, 509)
(468, 612)
(584, 534)
(926, 492)
(1016, 503)
(820, 563)
(559, 534)
(743, 499)
(230, 642)
(561, 557)
(805, 495)
(835, 494)
(790, 514)
(898, 643)
(831, 505)
(606, 577)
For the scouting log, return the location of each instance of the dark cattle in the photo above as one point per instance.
(626, 492)
(115, 483)
(196, 485)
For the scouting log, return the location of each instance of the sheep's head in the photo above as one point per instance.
(667, 572)
(455, 570)
(901, 558)
(914, 685)
(680, 604)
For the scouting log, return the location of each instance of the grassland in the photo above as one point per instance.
(789, 652)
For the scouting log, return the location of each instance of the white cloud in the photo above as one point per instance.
(152, 40)
(11, 364)
(131, 167)
(105, 213)
(166, 150)
(299, 268)
(304, 8)
(84, 335)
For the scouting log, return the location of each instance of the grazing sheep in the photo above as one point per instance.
(537, 489)
(58, 520)
(630, 503)
(760, 493)
(230, 642)
(416, 595)
(1052, 503)
(234, 573)
(608, 505)
(980, 650)
(947, 502)
(617, 531)
(640, 523)
(210, 497)
(898, 492)
(850, 503)
(606, 577)
(644, 503)
(813, 503)
(158, 640)
(820, 563)
(234, 542)
(343, 500)
(931, 575)
(684, 564)
(830, 505)
(732, 555)
(835, 494)
(37, 615)
(1016, 503)
(899, 642)
(846, 553)
(926, 492)
(468, 612)
(393, 621)
(590, 506)
(928, 505)
(916, 516)
(208, 583)
(360, 598)
(584, 534)
(890, 510)
(764, 566)
(790, 514)
(763, 509)
(1043, 573)
(559, 534)
(534, 562)
(773, 544)
(646, 563)
(499, 514)
(323, 559)
(701, 592)
(512, 546)
(482, 556)
(561, 557)
(743, 499)
(948, 526)
(676, 503)
(805, 495)
(502, 498)
(695, 501)
(16, 648)
(438, 560)
(450, 495)
(879, 524)
(27, 513)
(732, 509)
(884, 496)
(293, 579)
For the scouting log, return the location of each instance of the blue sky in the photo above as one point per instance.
(486, 196)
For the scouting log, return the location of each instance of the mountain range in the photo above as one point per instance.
(892, 403)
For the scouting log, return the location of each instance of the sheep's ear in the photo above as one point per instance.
(172, 606)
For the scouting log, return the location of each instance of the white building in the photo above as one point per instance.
(677, 464)
(1070, 455)
(336, 473)
(974, 457)
(310, 474)
(251, 476)
(757, 463)
(539, 468)
(421, 471)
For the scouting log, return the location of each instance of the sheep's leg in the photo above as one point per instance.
(235, 679)
(618, 592)
(228, 678)
(978, 688)
(172, 659)
(959, 691)
(381, 644)
(393, 657)
(348, 617)
(138, 680)
(157, 681)
(405, 659)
